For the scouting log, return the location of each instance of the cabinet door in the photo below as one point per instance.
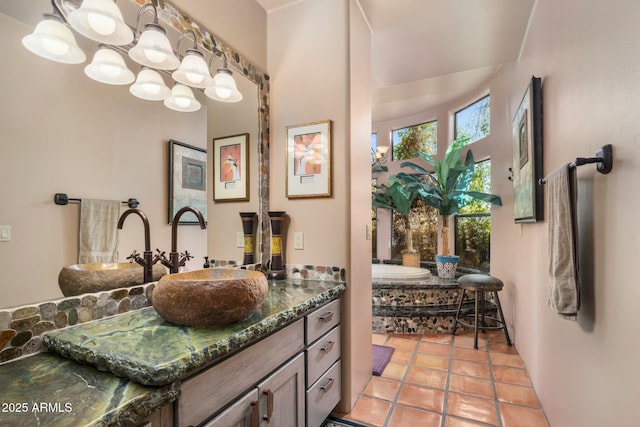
(243, 413)
(282, 396)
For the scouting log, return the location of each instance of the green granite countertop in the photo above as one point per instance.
(46, 390)
(142, 347)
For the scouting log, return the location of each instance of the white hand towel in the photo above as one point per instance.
(564, 274)
(98, 231)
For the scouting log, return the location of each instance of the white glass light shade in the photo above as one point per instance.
(182, 99)
(101, 20)
(109, 67)
(150, 86)
(193, 70)
(53, 40)
(154, 49)
(224, 87)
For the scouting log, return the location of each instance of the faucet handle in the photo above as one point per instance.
(187, 256)
(134, 256)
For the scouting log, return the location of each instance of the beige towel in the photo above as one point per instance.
(98, 231)
(564, 275)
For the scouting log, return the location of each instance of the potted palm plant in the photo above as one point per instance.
(399, 197)
(446, 188)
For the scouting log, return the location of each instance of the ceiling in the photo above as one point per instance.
(430, 52)
(425, 53)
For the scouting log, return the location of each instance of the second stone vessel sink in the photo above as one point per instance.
(80, 279)
(209, 297)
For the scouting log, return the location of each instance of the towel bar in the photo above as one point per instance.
(603, 158)
(62, 199)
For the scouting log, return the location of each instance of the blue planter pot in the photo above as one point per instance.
(446, 266)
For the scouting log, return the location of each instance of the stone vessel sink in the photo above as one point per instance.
(80, 279)
(209, 297)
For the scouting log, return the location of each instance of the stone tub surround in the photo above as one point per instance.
(47, 390)
(424, 306)
(143, 347)
(21, 328)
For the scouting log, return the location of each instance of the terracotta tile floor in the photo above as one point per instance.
(441, 381)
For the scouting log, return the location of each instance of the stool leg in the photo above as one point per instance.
(483, 324)
(475, 324)
(501, 315)
(455, 318)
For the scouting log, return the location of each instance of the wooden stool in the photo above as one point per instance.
(479, 284)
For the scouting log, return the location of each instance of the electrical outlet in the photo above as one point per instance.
(5, 233)
(239, 239)
(298, 240)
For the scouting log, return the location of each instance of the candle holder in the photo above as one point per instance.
(248, 228)
(277, 270)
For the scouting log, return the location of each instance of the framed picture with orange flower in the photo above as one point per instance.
(309, 160)
(231, 168)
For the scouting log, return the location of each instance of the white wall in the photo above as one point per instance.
(588, 53)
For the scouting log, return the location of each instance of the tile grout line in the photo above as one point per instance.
(447, 382)
(402, 382)
(493, 382)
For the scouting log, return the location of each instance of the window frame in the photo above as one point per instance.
(393, 143)
(455, 117)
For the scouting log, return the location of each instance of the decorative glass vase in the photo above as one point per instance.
(248, 229)
(277, 267)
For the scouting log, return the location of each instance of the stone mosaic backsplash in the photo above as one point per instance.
(316, 272)
(21, 328)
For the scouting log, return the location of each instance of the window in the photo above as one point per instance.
(424, 223)
(473, 224)
(407, 141)
(374, 142)
(473, 120)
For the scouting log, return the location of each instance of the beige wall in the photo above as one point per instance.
(588, 54)
(317, 49)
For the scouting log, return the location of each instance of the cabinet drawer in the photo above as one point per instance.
(322, 354)
(323, 396)
(240, 414)
(206, 393)
(321, 320)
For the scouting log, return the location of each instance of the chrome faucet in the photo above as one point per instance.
(146, 261)
(177, 260)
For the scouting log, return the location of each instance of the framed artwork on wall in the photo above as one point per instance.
(231, 168)
(308, 170)
(528, 198)
(187, 180)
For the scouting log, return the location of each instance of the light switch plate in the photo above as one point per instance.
(298, 240)
(5, 233)
(240, 239)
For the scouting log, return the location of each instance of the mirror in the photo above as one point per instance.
(63, 132)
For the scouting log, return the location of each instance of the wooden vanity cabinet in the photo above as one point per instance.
(289, 379)
(322, 356)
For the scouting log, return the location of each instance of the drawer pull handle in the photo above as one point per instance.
(325, 388)
(326, 317)
(327, 347)
(269, 395)
(255, 415)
